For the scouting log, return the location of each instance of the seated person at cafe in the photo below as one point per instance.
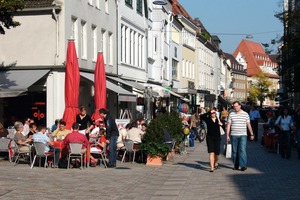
(77, 137)
(134, 133)
(40, 136)
(61, 132)
(3, 131)
(95, 134)
(101, 143)
(32, 130)
(122, 136)
(20, 139)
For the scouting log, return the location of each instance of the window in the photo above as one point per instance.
(139, 6)
(128, 2)
(94, 43)
(131, 47)
(122, 43)
(140, 50)
(75, 32)
(193, 71)
(186, 69)
(155, 44)
(183, 68)
(103, 44)
(106, 6)
(111, 49)
(98, 4)
(175, 52)
(136, 48)
(83, 40)
(174, 69)
(127, 44)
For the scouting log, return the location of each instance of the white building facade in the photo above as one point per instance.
(40, 43)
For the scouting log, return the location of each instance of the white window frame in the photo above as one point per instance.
(111, 48)
(75, 32)
(94, 43)
(83, 40)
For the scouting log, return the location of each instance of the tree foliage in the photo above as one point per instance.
(259, 89)
(290, 59)
(7, 9)
(154, 138)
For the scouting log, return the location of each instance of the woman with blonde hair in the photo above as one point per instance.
(85, 122)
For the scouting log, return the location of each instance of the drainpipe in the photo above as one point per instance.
(57, 35)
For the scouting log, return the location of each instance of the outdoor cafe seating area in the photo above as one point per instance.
(74, 158)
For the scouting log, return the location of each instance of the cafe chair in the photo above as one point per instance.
(22, 154)
(101, 153)
(129, 144)
(75, 152)
(40, 152)
(4, 146)
(171, 144)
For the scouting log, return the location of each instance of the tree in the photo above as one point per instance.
(7, 9)
(259, 89)
(289, 68)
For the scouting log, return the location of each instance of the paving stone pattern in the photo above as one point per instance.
(268, 177)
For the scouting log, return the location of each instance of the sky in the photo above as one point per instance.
(237, 18)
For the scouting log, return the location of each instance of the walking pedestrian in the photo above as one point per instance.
(238, 121)
(112, 134)
(254, 117)
(285, 124)
(213, 138)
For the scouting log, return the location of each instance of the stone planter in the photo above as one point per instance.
(155, 161)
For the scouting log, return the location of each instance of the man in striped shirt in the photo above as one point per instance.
(238, 121)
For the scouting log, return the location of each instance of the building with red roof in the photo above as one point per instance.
(255, 61)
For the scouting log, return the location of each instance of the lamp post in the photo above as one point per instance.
(148, 96)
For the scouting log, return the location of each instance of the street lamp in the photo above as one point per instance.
(161, 3)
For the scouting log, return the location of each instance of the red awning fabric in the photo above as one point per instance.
(100, 88)
(72, 82)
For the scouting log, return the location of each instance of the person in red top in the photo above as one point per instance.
(76, 137)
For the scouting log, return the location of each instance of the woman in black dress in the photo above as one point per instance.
(213, 138)
(85, 122)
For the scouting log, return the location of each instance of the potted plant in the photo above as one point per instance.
(154, 140)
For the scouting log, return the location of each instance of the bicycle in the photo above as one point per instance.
(201, 131)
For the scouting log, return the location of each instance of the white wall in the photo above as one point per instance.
(32, 43)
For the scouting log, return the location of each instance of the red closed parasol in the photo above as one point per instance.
(72, 82)
(100, 88)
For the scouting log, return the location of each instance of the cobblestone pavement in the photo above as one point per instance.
(268, 177)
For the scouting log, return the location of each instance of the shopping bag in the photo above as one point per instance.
(222, 132)
(228, 150)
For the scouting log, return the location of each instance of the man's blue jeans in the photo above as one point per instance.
(56, 154)
(113, 150)
(239, 154)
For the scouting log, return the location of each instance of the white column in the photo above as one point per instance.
(55, 97)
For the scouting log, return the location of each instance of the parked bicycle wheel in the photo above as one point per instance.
(202, 134)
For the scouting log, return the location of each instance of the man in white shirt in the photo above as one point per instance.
(238, 121)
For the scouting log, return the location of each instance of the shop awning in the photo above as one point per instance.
(123, 94)
(15, 82)
(140, 88)
(163, 92)
(223, 101)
